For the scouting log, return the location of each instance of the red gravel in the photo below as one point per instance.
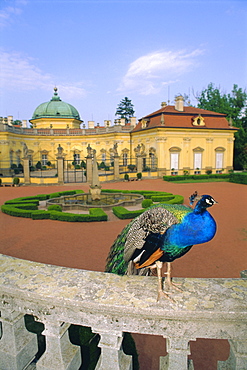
(86, 245)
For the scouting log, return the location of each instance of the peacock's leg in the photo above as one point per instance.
(160, 285)
(169, 282)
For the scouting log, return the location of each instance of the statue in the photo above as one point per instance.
(59, 150)
(95, 187)
(25, 150)
(90, 152)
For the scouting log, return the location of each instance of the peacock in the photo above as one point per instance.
(162, 233)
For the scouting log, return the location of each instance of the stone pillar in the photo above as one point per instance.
(116, 168)
(60, 353)
(26, 170)
(177, 358)
(139, 163)
(237, 359)
(112, 356)
(18, 346)
(60, 165)
(60, 170)
(89, 167)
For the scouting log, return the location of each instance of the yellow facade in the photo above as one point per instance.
(171, 148)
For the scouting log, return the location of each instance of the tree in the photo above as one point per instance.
(234, 105)
(125, 109)
(17, 122)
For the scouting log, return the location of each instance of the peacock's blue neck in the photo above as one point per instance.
(197, 227)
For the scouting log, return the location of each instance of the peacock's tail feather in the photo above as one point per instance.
(115, 261)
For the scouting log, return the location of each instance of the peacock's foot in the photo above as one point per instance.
(170, 285)
(161, 294)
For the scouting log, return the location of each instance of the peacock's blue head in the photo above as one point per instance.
(205, 201)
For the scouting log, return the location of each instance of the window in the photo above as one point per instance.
(219, 161)
(197, 160)
(174, 161)
(44, 159)
(125, 159)
(103, 157)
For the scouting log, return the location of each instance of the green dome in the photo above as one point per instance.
(56, 108)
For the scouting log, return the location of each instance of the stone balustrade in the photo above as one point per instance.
(111, 305)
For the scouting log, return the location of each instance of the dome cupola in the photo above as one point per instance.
(56, 112)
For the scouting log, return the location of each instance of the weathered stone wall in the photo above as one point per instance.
(111, 305)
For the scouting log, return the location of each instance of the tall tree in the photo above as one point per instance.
(234, 105)
(125, 109)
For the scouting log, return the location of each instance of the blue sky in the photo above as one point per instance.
(98, 52)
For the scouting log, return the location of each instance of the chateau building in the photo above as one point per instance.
(172, 140)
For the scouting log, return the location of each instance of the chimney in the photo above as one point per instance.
(24, 123)
(179, 103)
(90, 124)
(163, 104)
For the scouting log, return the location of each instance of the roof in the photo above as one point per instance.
(56, 108)
(169, 117)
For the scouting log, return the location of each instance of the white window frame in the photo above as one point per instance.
(174, 157)
(197, 160)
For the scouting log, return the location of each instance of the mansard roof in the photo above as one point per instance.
(169, 117)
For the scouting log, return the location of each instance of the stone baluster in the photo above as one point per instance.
(18, 346)
(112, 356)
(60, 353)
(177, 358)
(237, 359)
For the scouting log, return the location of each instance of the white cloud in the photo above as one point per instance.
(19, 73)
(7, 13)
(149, 73)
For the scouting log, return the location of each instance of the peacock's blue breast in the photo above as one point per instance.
(194, 229)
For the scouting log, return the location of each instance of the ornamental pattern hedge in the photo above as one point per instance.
(28, 206)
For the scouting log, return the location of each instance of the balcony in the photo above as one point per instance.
(111, 305)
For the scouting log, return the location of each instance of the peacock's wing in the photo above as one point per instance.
(155, 220)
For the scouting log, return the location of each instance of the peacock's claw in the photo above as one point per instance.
(171, 285)
(161, 294)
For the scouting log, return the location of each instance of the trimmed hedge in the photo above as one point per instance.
(124, 214)
(40, 215)
(100, 215)
(196, 177)
(55, 207)
(17, 212)
(239, 178)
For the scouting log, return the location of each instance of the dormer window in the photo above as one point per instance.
(198, 121)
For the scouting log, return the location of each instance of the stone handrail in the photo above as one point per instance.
(111, 305)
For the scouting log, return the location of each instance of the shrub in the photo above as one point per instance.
(55, 207)
(16, 181)
(139, 175)
(126, 177)
(239, 178)
(147, 203)
(208, 172)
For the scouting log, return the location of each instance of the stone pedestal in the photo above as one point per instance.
(60, 170)
(26, 170)
(18, 346)
(89, 169)
(60, 352)
(116, 168)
